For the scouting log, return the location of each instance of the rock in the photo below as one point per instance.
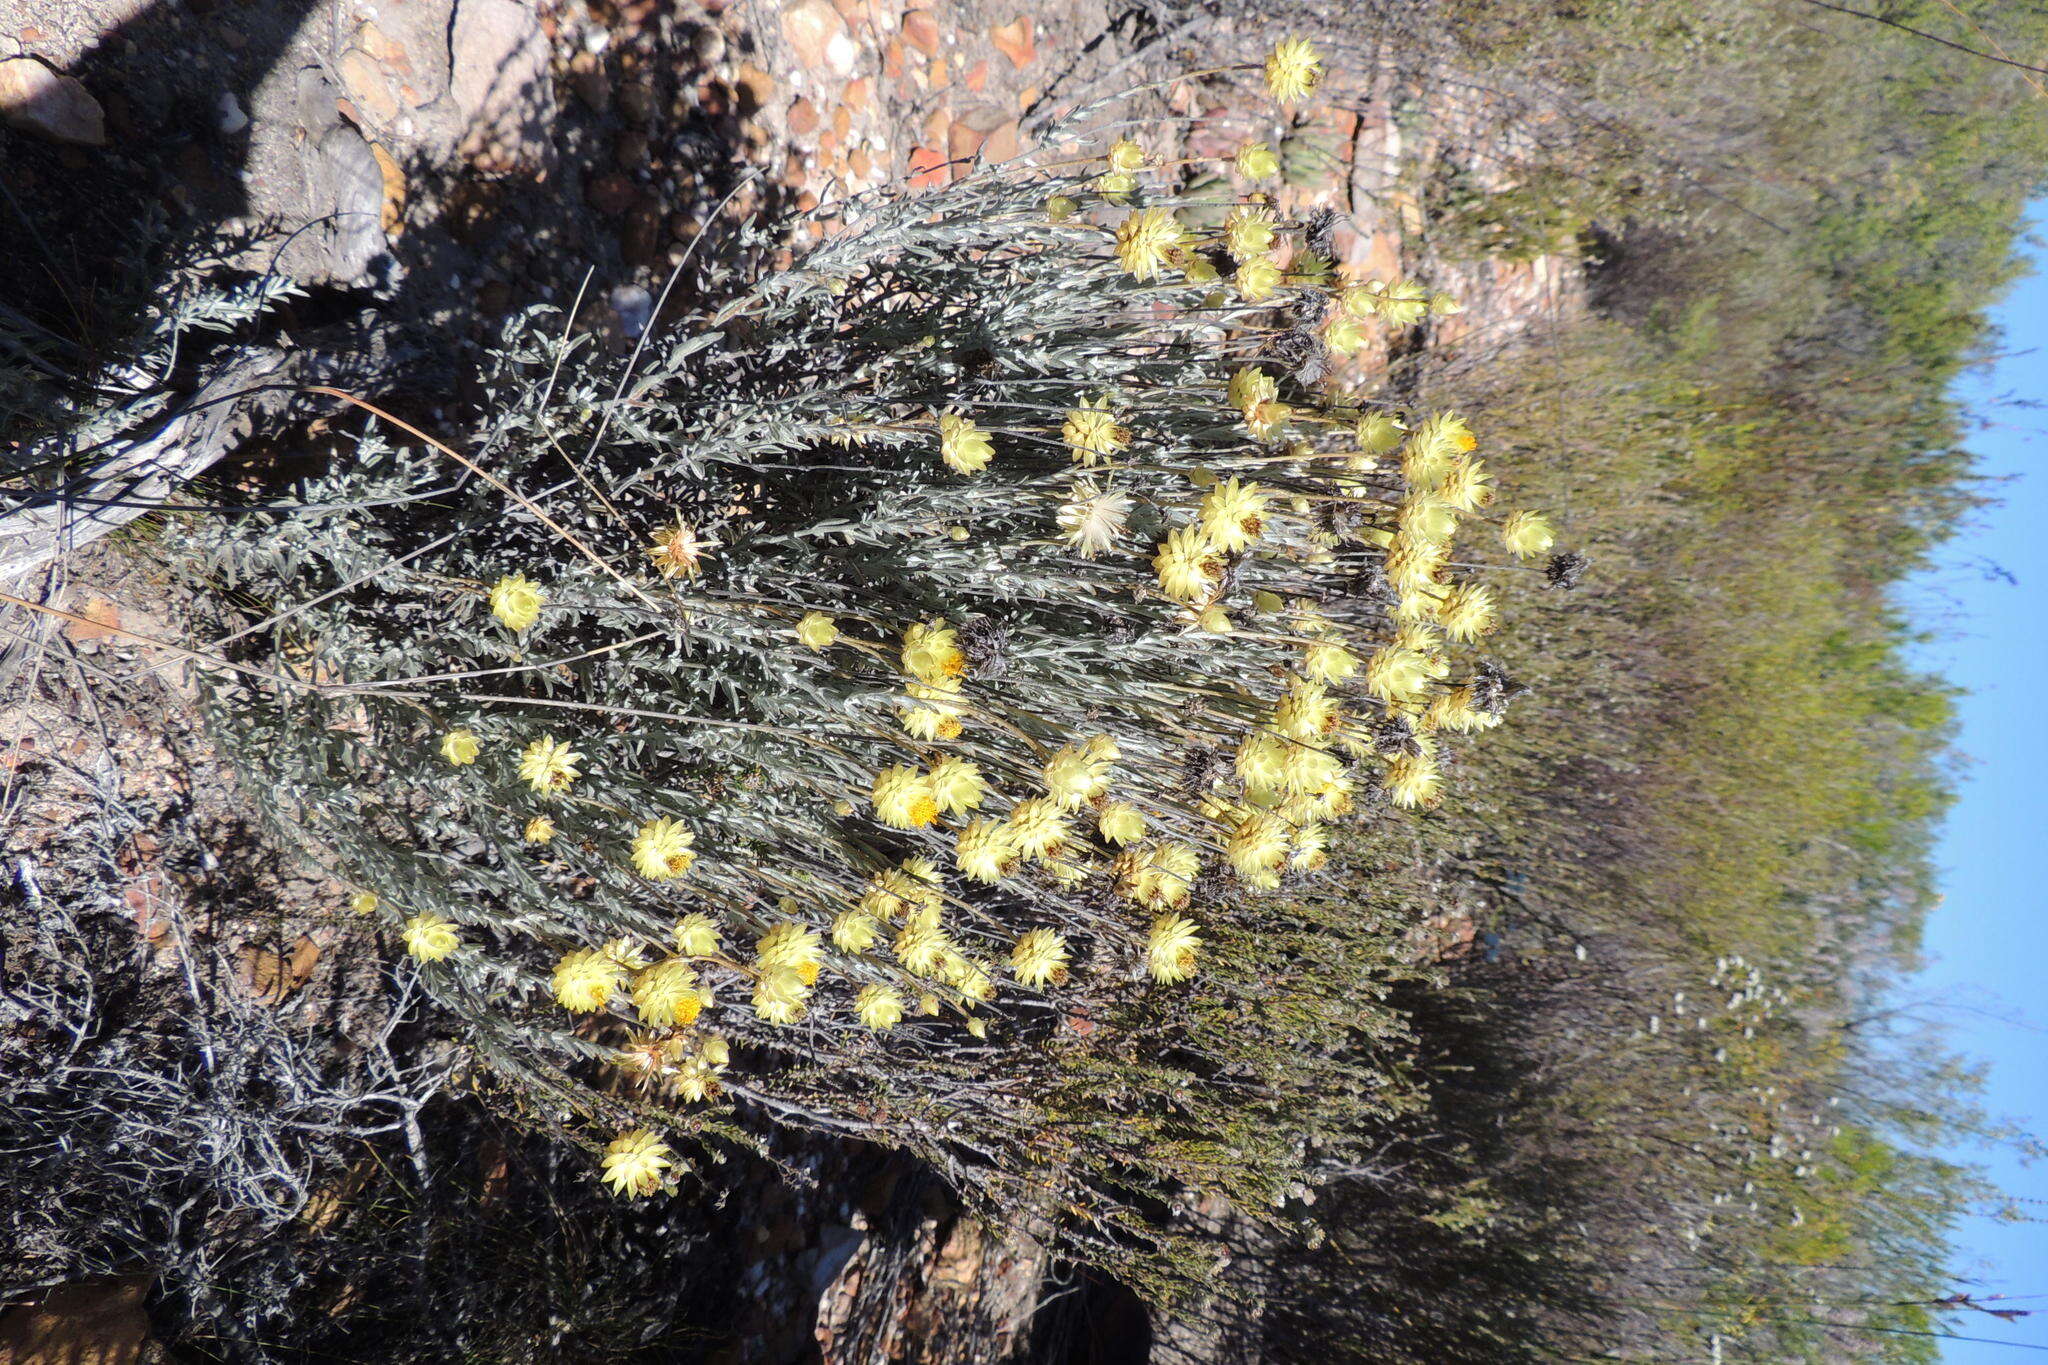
(346, 193)
(229, 117)
(921, 31)
(708, 43)
(820, 38)
(1014, 41)
(803, 118)
(977, 76)
(38, 100)
(640, 241)
(1004, 142)
(500, 81)
(590, 81)
(271, 976)
(858, 95)
(611, 194)
(637, 102)
(927, 168)
(393, 217)
(756, 88)
(362, 76)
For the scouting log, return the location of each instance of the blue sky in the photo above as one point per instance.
(1986, 603)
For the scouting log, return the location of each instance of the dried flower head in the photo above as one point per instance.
(679, 551)
(1293, 70)
(1146, 241)
(1092, 518)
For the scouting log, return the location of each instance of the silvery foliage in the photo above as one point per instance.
(790, 419)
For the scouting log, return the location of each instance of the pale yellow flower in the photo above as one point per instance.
(1189, 570)
(1126, 155)
(1074, 777)
(903, 798)
(679, 551)
(1268, 421)
(1257, 279)
(796, 946)
(780, 995)
(1116, 186)
(1256, 161)
(460, 746)
(1258, 843)
(1146, 240)
(817, 630)
(1171, 947)
(363, 902)
(964, 447)
(548, 765)
(1037, 829)
(1467, 612)
(1293, 70)
(663, 848)
(1527, 534)
(584, 980)
(1248, 232)
(430, 937)
(1039, 957)
(1233, 514)
(1091, 431)
(931, 654)
(696, 936)
(539, 830)
(921, 947)
(1342, 334)
(1466, 485)
(1328, 663)
(1250, 386)
(516, 601)
(956, 785)
(1413, 781)
(636, 1163)
(854, 931)
(985, 852)
(879, 1007)
(665, 994)
(1093, 518)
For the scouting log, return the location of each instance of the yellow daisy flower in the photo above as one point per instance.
(1040, 957)
(636, 1163)
(1527, 534)
(780, 995)
(984, 851)
(1171, 947)
(1188, 568)
(879, 1007)
(1248, 232)
(696, 936)
(1256, 161)
(956, 785)
(964, 447)
(516, 601)
(548, 765)
(1146, 241)
(1126, 155)
(903, 798)
(430, 937)
(665, 994)
(663, 848)
(1257, 280)
(1092, 433)
(585, 978)
(817, 630)
(539, 830)
(1293, 70)
(854, 931)
(1037, 829)
(1233, 514)
(460, 747)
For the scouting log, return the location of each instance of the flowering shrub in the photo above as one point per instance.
(906, 681)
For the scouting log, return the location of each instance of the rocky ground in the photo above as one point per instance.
(444, 163)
